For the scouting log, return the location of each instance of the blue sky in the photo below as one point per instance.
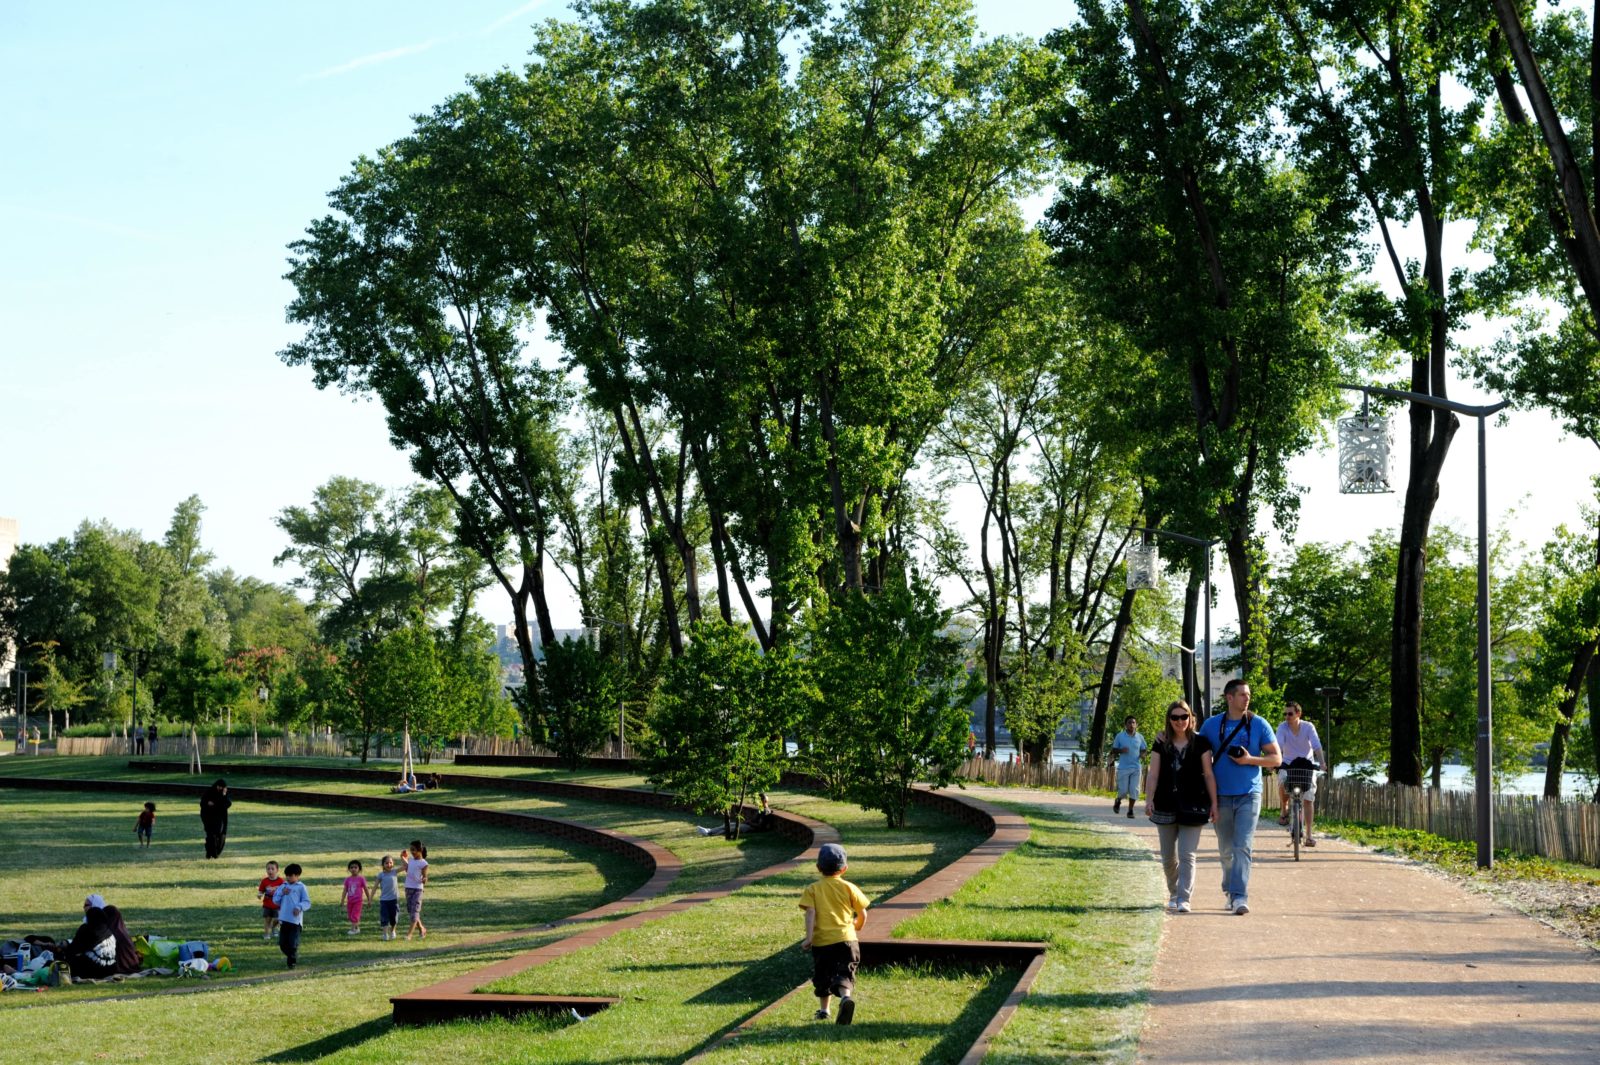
(159, 157)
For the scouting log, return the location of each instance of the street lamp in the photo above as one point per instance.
(1328, 695)
(1206, 546)
(1484, 765)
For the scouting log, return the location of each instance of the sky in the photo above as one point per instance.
(159, 158)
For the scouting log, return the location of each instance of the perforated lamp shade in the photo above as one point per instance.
(1144, 566)
(1365, 441)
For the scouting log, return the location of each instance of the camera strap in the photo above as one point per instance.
(1243, 721)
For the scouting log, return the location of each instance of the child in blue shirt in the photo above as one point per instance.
(293, 901)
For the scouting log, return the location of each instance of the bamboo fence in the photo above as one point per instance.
(1079, 777)
(274, 746)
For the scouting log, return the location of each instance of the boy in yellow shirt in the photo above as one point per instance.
(835, 911)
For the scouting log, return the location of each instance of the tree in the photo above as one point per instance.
(52, 690)
(1145, 693)
(398, 682)
(890, 698)
(717, 729)
(1212, 259)
(579, 706)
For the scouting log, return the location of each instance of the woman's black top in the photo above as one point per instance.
(1181, 775)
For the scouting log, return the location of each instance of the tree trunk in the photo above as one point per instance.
(1241, 571)
(1102, 699)
(1556, 763)
(1436, 770)
(1592, 686)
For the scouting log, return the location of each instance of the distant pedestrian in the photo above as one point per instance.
(214, 817)
(1245, 745)
(1180, 796)
(836, 911)
(154, 735)
(414, 863)
(145, 827)
(138, 739)
(293, 901)
(1128, 749)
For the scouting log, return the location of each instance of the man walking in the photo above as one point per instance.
(1244, 745)
(1127, 748)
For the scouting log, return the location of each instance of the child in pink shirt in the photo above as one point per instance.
(356, 892)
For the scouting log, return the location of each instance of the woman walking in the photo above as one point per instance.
(1180, 797)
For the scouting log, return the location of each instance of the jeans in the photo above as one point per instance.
(1178, 846)
(1128, 783)
(289, 941)
(1236, 831)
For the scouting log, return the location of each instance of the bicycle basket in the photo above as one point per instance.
(1300, 776)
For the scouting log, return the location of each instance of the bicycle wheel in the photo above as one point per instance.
(1294, 826)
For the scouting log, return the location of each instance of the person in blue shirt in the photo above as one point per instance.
(293, 901)
(1127, 748)
(1244, 746)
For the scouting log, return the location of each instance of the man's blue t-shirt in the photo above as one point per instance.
(1233, 778)
(1127, 749)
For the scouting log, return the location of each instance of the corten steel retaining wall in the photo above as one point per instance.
(789, 826)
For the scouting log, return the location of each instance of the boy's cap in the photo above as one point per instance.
(831, 858)
(96, 902)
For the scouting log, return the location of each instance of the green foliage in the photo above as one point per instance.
(891, 697)
(1146, 692)
(579, 706)
(719, 721)
(1039, 694)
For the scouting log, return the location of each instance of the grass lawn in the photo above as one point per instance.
(486, 879)
(1089, 892)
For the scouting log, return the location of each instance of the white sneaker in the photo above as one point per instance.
(1172, 905)
(1183, 906)
(1241, 907)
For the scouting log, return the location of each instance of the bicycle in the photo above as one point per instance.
(1297, 781)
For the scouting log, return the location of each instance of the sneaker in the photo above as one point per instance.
(1116, 807)
(1130, 809)
(1309, 842)
(353, 932)
(1172, 904)
(266, 937)
(1241, 907)
(820, 1015)
(847, 1010)
(1183, 906)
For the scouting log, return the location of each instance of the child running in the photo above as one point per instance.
(388, 898)
(835, 911)
(356, 893)
(414, 862)
(269, 906)
(145, 827)
(293, 901)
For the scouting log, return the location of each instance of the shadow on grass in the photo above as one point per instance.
(318, 1049)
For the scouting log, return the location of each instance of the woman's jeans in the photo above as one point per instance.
(1178, 846)
(1236, 831)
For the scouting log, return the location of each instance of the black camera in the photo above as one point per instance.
(1238, 751)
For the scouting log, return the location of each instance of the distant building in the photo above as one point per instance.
(10, 539)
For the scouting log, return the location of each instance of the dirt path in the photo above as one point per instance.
(1348, 956)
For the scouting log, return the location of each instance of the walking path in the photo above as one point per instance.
(1347, 956)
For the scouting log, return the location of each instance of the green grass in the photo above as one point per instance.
(1093, 894)
(912, 1014)
(485, 879)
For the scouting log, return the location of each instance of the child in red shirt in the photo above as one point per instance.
(269, 909)
(146, 825)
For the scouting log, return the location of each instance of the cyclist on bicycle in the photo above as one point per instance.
(1297, 738)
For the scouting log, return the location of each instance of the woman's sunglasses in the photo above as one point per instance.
(1177, 717)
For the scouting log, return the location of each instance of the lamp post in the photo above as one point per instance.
(1484, 765)
(22, 708)
(1206, 545)
(1328, 696)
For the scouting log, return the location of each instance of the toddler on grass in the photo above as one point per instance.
(835, 911)
(269, 908)
(356, 894)
(388, 898)
(293, 901)
(145, 827)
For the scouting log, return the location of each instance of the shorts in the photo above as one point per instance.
(414, 902)
(144, 833)
(388, 912)
(269, 912)
(833, 968)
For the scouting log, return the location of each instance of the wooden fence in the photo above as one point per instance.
(273, 746)
(1523, 824)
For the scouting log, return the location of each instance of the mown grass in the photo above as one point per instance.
(485, 879)
(1093, 894)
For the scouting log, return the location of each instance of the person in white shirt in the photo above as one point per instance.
(1297, 738)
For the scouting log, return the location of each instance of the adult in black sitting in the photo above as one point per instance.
(101, 946)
